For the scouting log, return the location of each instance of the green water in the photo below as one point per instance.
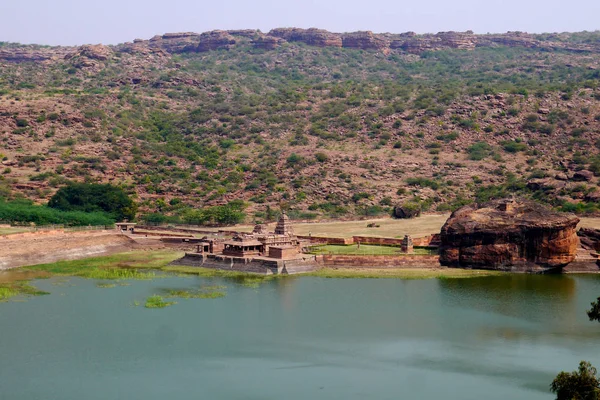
(300, 338)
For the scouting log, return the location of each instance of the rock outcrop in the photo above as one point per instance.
(267, 42)
(312, 36)
(409, 42)
(215, 40)
(89, 56)
(406, 212)
(180, 42)
(509, 236)
(365, 41)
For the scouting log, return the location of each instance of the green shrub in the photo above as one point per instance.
(91, 197)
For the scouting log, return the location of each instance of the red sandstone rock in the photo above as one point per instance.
(507, 235)
(215, 40)
(365, 41)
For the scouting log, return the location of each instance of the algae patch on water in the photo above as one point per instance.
(205, 292)
(157, 301)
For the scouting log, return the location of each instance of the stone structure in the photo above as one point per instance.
(280, 244)
(509, 235)
(407, 245)
(126, 227)
(258, 252)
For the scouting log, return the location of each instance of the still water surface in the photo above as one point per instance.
(300, 338)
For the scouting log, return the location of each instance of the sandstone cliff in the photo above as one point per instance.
(509, 236)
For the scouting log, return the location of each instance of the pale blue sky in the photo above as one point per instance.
(70, 22)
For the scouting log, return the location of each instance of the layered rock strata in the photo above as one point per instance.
(509, 236)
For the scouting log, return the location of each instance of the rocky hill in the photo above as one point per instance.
(329, 124)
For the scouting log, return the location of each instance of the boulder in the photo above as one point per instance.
(509, 235)
(407, 211)
(582, 176)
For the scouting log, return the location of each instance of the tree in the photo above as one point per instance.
(582, 384)
(594, 313)
(93, 197)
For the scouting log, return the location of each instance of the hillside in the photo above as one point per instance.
(331, 125)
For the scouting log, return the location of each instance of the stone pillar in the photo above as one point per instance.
(407, 245)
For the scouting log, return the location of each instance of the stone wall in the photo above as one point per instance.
(47, 247)
(400, 261)
(327, 240)
(305, 263)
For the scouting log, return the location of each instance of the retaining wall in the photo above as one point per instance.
(262, 266)
(406, 261)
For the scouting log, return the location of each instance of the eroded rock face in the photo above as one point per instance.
(365, 41)
(267, 42)
(312, 36)
(509, 236)
(215, 40)
(89, 56)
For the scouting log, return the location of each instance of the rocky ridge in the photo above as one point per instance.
(409, 42)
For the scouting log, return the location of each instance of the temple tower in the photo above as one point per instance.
(284, 226)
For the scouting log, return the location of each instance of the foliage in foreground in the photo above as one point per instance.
(582, 384)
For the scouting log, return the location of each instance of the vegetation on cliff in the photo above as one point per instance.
(323, 131)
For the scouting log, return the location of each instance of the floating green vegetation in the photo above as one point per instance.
(7, 293)
(115, 267)
(157, 301)
(194, 294)
(240, 278)
(205, 292)
(18, 288)
(106, 285)
(115, 274)
(401, 273)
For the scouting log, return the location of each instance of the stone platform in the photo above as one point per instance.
(257, 265)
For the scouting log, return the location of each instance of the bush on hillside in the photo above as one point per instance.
(27, 212)
(92, 197)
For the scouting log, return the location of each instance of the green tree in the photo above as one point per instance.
(582, 384)
(594, 313)
(93, 197)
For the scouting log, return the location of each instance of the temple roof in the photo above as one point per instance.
(284, 226)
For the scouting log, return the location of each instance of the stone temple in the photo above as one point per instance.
(259, 251)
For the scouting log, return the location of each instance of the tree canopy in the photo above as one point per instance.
(92, 197)
(582, 384)
(594, 312)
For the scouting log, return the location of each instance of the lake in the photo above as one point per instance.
(299, 338)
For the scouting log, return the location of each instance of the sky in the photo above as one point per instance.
(76, 22)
